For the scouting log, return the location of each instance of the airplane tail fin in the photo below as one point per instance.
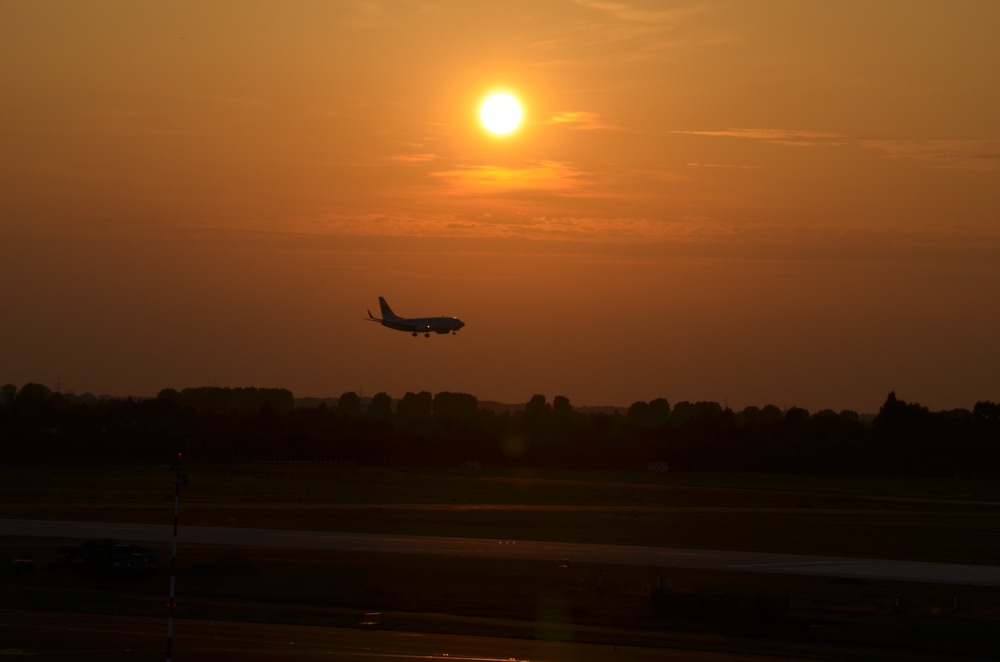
(386, 310)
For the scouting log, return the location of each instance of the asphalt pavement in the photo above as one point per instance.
(829, 566)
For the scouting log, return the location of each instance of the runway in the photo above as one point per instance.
(665, 557)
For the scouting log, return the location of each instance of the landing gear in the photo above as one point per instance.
(414, 334)
(427, 335)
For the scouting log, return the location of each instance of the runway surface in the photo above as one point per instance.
(830, 566)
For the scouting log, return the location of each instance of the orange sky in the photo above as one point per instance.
(790, 201)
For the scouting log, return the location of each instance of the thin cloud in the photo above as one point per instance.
(634, 13)
(581, 121)
(621, 32)
(958, 154)
(723, 165)
(577, 230)
(777, 136)
(548, 176)
(413, 158)
(975, 154)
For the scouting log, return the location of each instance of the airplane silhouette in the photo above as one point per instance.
(415, 325)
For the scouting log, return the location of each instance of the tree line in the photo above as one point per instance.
(239, 425)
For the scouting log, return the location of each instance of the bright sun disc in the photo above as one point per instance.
(500, 113)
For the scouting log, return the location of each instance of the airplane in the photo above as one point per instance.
(415, 325)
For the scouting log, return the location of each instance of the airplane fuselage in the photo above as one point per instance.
(415, 325)
(425, 324)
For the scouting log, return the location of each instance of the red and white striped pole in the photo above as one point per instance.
(180, 479)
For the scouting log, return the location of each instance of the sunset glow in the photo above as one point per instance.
(787, 202)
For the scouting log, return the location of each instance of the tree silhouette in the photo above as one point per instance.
(415, 406)
(449, 429)
(349, 405)
(8, 393)
(638, 414)
(536, 407)
(899, 419)
(561, 406)
(659, 412)
(380, 408)
(653, 414)
(455, 406)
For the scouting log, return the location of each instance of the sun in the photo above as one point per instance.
(500, 114)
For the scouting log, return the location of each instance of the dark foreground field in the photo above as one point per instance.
(953, 521)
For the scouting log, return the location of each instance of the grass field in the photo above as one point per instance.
(936, 520)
